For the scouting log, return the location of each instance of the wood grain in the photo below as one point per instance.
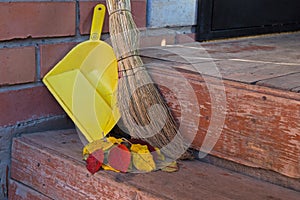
(18, 191)
(61, 174)
(261, 128)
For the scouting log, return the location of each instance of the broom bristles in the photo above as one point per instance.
(143, 110)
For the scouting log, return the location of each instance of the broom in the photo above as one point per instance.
(143, 110)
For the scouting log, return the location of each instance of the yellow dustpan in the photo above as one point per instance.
(85, 81)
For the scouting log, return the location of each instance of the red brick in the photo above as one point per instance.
(18, 191)
(27, 104)
(36, 19)
(51, 54)
(17, 65)
(86, 9)
(139, 12)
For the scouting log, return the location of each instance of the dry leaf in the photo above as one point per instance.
(160, 156)
(172, 167)
(114, 140)
(94, 161)
(137, 147)
(142, 142)
(107, 167)
(149, 146)
(95, 145)
(142, 158)
(119, 158)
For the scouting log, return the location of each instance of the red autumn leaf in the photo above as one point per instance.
(119, 158)
(94, 161)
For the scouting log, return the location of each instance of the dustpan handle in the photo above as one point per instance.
(97, 22)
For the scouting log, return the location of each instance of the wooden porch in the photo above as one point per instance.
(259, 120)
(260, 77)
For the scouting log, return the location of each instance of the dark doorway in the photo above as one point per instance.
(232, 18)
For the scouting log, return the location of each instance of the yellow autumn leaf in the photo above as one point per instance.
(172, 167)
(109, 168)
(160, 156)
(142, 158)
(138, 147)
(114, 140)
(95, 145)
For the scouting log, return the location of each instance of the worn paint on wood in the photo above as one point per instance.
(18, 191)
(261, 130)
(51, 171)
(289, 82)
(262, 126)
(56, 172)
(247, 61)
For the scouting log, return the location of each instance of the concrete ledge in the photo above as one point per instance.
(161, 13)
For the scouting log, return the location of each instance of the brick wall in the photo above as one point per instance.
(34, 36)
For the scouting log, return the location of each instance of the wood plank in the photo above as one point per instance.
(234, 48)
(280, 57)
(287, 82)
(281, 40)
(258, 73)
(18, 191)
(260, 130)
(60, 176)
(297, 89)
(242, 60)
(177, 53)
(239, 70)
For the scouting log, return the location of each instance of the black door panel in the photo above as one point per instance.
(229, 18)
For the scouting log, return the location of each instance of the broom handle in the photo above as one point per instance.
(97, 22)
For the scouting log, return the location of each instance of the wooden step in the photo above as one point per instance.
(260, 78)
(261, 126)
(49, 165)
(18, 191)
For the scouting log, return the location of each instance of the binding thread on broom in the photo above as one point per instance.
(125, 57)
(119, 10)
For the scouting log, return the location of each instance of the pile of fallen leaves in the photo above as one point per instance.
(122, 155)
